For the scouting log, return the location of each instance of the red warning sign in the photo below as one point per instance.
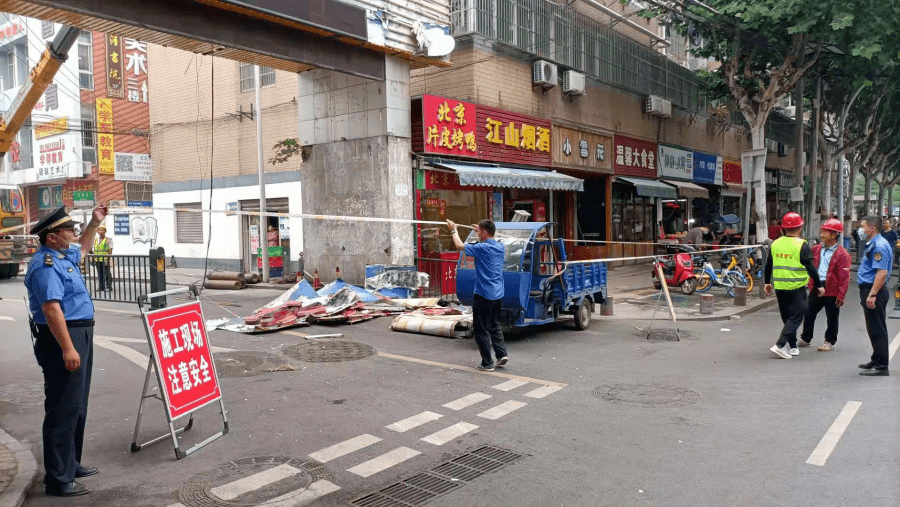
(183, 358)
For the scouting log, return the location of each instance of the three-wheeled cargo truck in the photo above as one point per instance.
(539, 285)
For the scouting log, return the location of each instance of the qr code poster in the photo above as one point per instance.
(133, 167)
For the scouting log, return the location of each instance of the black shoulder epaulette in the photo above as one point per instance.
(48, 259)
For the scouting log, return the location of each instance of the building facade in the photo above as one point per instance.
(87, 141)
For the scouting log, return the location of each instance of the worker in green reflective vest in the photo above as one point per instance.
(789, 269)
(102, 250)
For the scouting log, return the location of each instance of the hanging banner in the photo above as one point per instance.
(507, 137)
(133, 167)
(676, 163)
(115, 87)
(731, 172)
(181, 351)
(105, 145)
(705, 168)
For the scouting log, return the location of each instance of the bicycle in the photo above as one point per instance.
(728, 277)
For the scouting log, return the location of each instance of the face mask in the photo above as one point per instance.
(862, 232)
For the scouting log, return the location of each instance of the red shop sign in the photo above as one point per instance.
(442, 180)
(634, 157)
(512, 138)
(731, 172)
(449, 126)
(183, 359)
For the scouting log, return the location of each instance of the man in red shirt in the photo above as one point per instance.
(833, 264)
(775, 230)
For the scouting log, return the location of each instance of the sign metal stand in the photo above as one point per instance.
(189, 334)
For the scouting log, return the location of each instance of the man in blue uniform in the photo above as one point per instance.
(488, 254)
(63, 330)
(874, 273)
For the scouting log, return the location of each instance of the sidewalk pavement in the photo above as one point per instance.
(188, 276)
(17, 470)
(634, 298)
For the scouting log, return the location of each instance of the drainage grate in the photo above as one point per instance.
(647, 395)
(248, 363)
(329, 351)
(421, 488)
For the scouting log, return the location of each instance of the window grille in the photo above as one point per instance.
(266, 77)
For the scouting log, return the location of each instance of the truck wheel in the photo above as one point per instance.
(4, 271)
(583, 315)
(689, 286)
(12, 270)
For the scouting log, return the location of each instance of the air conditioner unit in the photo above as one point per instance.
(573, 82)
(790, 111)
(696, 63)
(545, 74)
(658, 106)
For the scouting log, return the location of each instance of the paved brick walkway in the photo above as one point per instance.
(17, 470)
(9, 467)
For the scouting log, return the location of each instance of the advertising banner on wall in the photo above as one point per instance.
(731, 172)
(576, 149)
(513, 138)
(676, 163)
(115, 69)
(448, 126)
(105, 145)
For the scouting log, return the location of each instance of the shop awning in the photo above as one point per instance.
(650, 188)
(686, 189)
(508, 177)
(733, 190)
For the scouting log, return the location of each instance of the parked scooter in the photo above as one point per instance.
(678, 270)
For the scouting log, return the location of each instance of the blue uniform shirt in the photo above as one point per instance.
(879, 255)
(60, 281)
(825, 256)
(488, 268)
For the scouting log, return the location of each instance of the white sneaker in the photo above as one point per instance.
(781, 352)
(795, 351)
(802, 343)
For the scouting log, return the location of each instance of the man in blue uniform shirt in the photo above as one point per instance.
(874, 273)
(488, 254)
(63, 330)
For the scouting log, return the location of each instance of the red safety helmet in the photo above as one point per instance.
(792, 220)
(833, 224)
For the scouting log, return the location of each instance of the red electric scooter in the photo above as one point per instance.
(678, 269)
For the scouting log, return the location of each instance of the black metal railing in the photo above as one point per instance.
(441, 277)
(122, 278)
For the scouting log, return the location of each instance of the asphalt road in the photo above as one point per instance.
(712, 420)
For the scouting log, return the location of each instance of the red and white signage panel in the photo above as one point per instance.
(183, 358)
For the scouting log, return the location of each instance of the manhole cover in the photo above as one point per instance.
(647, 395)
(30, 393)
(252, 481)
(330, 351)
(248, 363)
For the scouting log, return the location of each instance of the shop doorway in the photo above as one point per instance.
(270, 232)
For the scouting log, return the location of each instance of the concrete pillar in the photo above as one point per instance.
(360, 164)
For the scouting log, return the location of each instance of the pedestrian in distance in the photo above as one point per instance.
(774, 230)
(789, 269)
(62, 327)
(833, 263)
(102, 249)
(872, 278)
(890, 234)
(488, 254)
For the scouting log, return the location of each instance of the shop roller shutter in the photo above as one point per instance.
(188, 224)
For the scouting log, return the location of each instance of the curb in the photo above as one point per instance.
(14, 494)
(706, 318)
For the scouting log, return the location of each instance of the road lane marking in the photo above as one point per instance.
(138, 358)
(413, 422)
(542, 392)
(253, 482)
(383, 462)
(346, 447)
(895, 344)
(450, 433)
(502, 409)
(4, 317)
(469, 369)
(820, 454)
(466, 401)
(509, 385)
(314, 491)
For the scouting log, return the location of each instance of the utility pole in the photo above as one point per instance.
(263, 220)
(814, 159)
(798, 154)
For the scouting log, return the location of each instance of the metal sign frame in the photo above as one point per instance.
(143, 303)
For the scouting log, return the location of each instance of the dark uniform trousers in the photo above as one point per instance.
(832, 312)
(66, 399)
(792, 305)
(876, 324)
(486, 320)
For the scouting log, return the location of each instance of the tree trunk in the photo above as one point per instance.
(868, 192)
(828, 167)
(890, 201)
(851, 191)
(758, 137)
(880, 210)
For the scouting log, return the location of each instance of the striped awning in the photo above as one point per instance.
(687, 189)
(510, 177)
(649, 188)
